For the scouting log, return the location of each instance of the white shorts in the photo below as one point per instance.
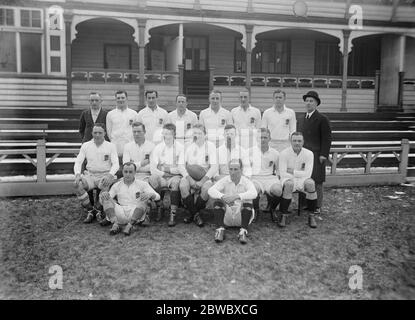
(123, 214)
(264, 183)
(233, 217)
(142, 176)
(298, 183)
(94, 180)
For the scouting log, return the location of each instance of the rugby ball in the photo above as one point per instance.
(195, 171)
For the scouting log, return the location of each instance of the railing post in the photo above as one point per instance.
(400, 89)
(211, 70)
(377, 82)
(346, 34)
(141, 65)
(68, 52)
(249, 29)
(41, 160)
(181, 78)
(403, 165)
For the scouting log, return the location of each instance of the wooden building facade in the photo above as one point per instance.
(358, 54)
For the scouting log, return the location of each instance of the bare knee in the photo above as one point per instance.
(309, 185)
(276, 190)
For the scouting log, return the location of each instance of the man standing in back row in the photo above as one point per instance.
(280, 121)
(317, 138)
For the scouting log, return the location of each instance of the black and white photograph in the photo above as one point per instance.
(207, 155)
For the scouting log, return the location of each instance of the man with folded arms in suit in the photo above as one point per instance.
(102, 164)
(296, 167)
(132, 203)
(233, 197)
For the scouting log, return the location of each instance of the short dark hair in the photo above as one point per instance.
(171, 127)
(121, 92)
(215, 91)
(181, 95)
(129, 163)
(279, 91)
(200, 127)
(296, 133)
(139, 124)
(234, 160)
(100, 125)
(151, 91)
(93, 93)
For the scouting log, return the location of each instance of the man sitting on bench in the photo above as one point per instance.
(296, 166)
(102, 164)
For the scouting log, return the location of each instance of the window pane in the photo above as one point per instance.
(2, 18)
(55, 43)
(55, 64)
(8, 51)
(31, 52)
(9, 17)
(25, 18)
(36, 19)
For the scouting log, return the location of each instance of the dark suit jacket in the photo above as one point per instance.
(86, 123)
(317, 138)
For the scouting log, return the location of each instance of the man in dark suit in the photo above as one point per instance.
(317, 138)
(95, 114)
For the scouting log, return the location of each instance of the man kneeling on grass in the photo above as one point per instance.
(233, 196)
(132, 203)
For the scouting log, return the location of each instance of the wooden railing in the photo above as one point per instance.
(369, 154)
(125, 76)
(293, 81)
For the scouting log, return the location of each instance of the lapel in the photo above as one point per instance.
(89, 115)
(314, 117)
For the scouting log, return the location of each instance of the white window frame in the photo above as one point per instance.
(17, 28)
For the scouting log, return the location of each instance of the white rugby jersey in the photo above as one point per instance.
(172, 156)
(153, 121)
(204, 156)
(136, 153)
(100, 159)
(225, 186)
(128, 195)
(264, 164)
(281, 125)
(119, 128)
(302, 164)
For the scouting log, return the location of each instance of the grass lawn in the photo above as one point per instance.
(360, 226)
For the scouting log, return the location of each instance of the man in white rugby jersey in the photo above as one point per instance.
(167, 169)
(215, 118)
(280, 120)
(183, 119)
(296, 167)
(119, 121)
(201, 166)
(139, 151)
(246, 119)
(264, 162)
(101, 167)
(132, 204)
(233, 195)
(153, 117)
(232, 149)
